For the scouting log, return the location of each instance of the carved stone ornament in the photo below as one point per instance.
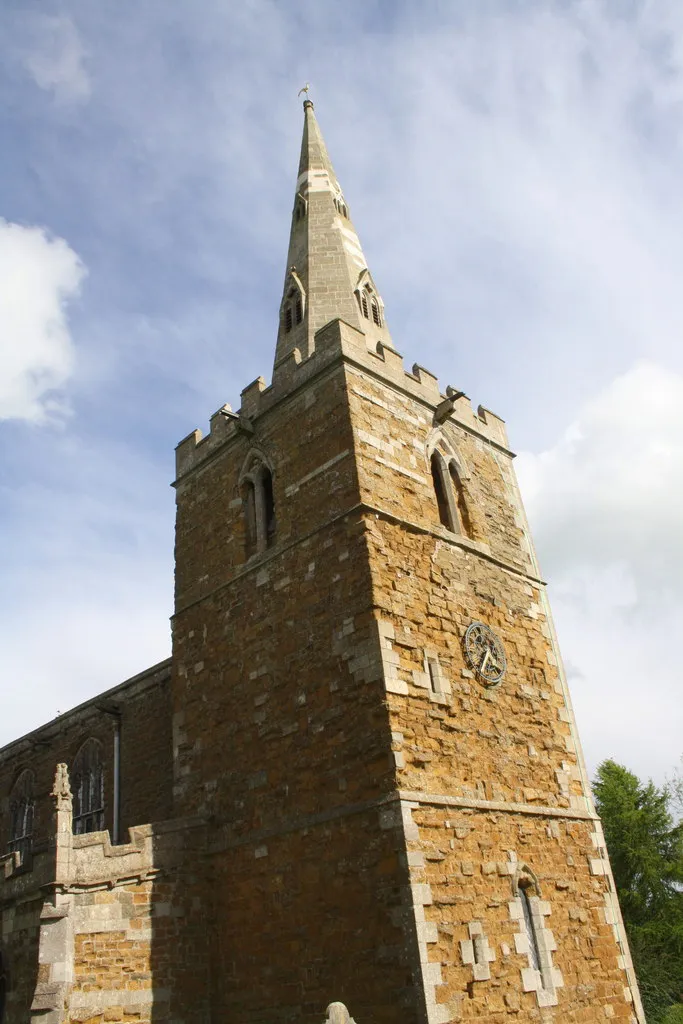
(338, 1014)
(62, 789)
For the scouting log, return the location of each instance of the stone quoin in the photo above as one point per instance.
(357, 782)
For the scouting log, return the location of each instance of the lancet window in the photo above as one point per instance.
(259, 507)
(534, 951)
(21, 809)
(534, 938)
(87, 785)
(449, 493)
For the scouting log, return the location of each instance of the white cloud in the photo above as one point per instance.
(55, 58)
(611, 490)
(39, 275)
(90, 574)
(605, 505)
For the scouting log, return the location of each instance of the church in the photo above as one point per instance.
(355, 791)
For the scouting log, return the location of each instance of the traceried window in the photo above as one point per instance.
(87, 785)
(259, 508)
(21, 809)
(449, 493)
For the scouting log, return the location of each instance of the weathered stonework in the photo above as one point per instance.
(341, 807)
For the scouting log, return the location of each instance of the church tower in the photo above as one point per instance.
(369, 703)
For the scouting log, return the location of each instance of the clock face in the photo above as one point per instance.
(485, 653)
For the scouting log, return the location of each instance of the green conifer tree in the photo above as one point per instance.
(646, 851)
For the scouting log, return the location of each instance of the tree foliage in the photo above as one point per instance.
(645, 847)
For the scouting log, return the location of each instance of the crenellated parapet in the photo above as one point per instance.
(334, 343)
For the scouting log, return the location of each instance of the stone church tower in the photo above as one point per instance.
(358, 779)
(369, 704)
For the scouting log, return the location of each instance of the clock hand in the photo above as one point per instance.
(487, 657)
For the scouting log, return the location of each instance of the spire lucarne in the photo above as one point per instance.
(327, 275)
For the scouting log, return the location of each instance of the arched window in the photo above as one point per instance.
(298, 309)
(523, 888)
(288, 317)
(376, 315)
(450, 493)
(21, 809)
(364, 305)
(259, 507)
(534, 939)
(87, 784)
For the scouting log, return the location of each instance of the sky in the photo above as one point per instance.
(513, 168)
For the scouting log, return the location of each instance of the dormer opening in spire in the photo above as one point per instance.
(369, 302)
(293, 304)
(331, 270)
(300, 206)
(341, 206)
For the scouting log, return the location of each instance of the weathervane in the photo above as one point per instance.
(305, 89)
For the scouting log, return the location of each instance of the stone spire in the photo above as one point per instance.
(327, 275)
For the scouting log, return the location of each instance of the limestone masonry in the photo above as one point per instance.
(358, 779)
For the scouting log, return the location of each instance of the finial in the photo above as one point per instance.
(61, 789)
(338, 1014)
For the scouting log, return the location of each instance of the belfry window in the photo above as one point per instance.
(21, 809)
(298, 309)
(376, 316)
(87, 784)
(259, 509)
(288, 317)
(364, 305)
(450, 494)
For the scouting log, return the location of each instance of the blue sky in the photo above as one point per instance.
(513, 169)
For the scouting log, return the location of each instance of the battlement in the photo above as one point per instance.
(92, 859)
(335, 342)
